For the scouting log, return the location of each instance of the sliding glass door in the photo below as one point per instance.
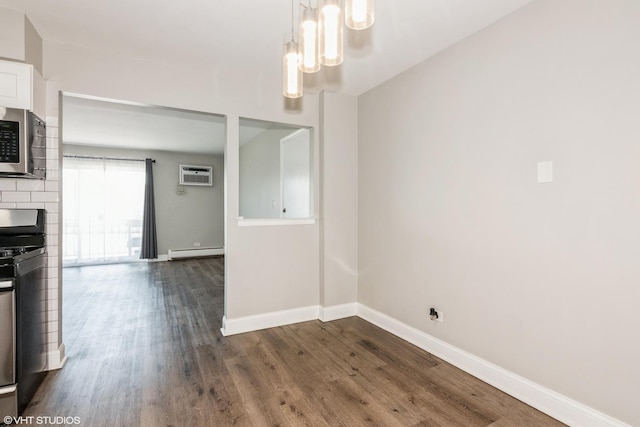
(103, 203)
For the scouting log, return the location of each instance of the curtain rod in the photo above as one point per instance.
(104, 158)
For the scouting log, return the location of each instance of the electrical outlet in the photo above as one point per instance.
(196, 244)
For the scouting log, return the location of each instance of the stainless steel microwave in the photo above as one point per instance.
(23, 144)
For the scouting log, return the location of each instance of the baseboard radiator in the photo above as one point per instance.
(194, 252)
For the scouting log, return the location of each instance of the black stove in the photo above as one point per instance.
(11, 252)
(10, 257)
(23, 311)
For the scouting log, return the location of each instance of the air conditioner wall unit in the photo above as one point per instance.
(196, 175)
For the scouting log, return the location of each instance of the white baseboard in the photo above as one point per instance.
(194, 252)
(56, 359)
(335, 312)
(548, 401)
(287, 317)
(269, 320)
(159, 259)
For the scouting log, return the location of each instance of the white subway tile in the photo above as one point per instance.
(53, 251)
(52, 271)
(52, 207)
(52, 295)
(51, 121)
(52, 153)
(30, 205)
(53, 175)
(52, 143)
(7, 184)
(51, 218)
(52, 326)
(51, 186)
(30, 185)
(16, 196)
(51, 230)
(52, 315)
(38, 196)
(52, 285)
(52, 132)
(4, 205)
(52, 164)
(51, 261)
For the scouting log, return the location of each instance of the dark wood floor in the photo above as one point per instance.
(145, 349)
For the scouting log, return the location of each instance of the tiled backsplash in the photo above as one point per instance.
(44, 194)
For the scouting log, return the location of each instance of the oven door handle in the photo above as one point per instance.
(6, 284)
(8, 390)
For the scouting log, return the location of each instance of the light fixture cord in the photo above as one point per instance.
(292, 3)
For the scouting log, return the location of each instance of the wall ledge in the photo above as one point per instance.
(245, 222)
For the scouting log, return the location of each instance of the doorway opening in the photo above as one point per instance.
(103, 145)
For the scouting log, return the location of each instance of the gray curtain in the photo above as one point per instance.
(149, 249)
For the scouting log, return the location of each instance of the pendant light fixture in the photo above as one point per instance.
(291, 73)
(309, 40)
(359, 14)
(330, 33)
(292, 81)
(321, 39)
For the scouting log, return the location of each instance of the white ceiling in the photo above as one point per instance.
(104, 123)
(109, 123)
(249, 33)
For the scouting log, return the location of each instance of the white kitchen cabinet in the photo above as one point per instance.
(16, 85)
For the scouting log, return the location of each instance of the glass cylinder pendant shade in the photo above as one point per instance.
(308, 46)
(291, 74)
(359, 14)
(330, 32)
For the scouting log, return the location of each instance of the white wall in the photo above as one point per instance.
(260, 175)
(540, 279)
(32, 45)
(175, 84)
(339, 166)
(266, 253)
(195, 216)
(268, 268)
(19, 40)
(12, 35)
